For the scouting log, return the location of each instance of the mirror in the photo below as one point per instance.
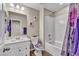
(15, 27)
(16, 24)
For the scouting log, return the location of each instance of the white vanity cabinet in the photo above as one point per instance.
(1, 51)
(17, 49)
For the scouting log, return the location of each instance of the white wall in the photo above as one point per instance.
(61, 18)
(49, 28)
(49, 25)
(30, 13)
(41, 26)
(0, 6)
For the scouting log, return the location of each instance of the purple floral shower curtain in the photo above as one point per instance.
(71, 41)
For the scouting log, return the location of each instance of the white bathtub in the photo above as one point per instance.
(54, 48)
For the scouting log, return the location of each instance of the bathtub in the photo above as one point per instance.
(54, 48)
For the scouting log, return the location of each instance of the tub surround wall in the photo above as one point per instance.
(61, 18)
(60, 21)
(49, 26)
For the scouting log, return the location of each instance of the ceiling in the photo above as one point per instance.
(50, 6)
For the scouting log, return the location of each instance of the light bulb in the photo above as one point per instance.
(12, 5)
(22, 8)
(17, 6)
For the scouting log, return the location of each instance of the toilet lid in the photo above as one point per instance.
(34, 40)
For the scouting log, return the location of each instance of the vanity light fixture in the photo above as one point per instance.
(17, 6)
(22, 8)
(12, 5)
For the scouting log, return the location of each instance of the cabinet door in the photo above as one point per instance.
(9, 50)
(1, 51)
(1, 27)
(17, 49)
(23, 48)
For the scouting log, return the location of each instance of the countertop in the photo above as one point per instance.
(17, 39)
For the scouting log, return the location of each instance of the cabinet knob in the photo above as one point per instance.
(19, 50)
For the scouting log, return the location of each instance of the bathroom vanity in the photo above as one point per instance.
(15, 41)
(16, 47)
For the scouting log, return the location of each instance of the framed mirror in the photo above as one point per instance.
(16, 27)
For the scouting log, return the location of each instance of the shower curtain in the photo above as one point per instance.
(71, 41)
